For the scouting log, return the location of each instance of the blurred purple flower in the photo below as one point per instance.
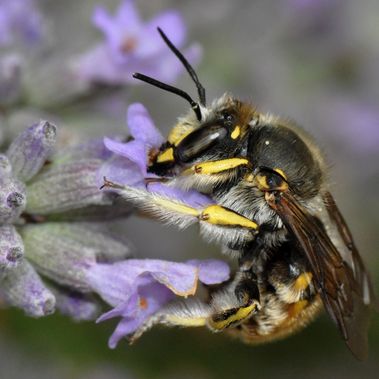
(10, 78)
(358, 124)
(129, 166)
(131, 45)
(139, 288)
(20, 22)
(308, 4)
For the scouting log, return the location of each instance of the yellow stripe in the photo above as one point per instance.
(214, 167)
(236, 132)
(217, 215)
(281, 173)
(166, 156)
(303, 281)
(240, 315)
(295, 308)
(177, 134)
(262, 181)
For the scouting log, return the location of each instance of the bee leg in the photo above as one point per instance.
(247, 289)
(236, 305)
(184, 313)
(229, 307)
(204, 176)
(181, 214)
(219, 215)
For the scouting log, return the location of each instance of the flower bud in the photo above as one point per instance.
(12, 199)
(53, 251)
(29, 151)
(66, 187)
(22, 287)
(11, 246)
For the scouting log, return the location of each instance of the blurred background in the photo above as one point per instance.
(315, 61)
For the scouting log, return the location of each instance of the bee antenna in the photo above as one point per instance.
(187, 66)
(166, 87)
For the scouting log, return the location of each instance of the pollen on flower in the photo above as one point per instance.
(128, 45)
(152, 155)
(143, 303)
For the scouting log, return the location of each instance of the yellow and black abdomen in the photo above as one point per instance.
(288, 299)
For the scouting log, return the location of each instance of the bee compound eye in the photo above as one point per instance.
(228, 118)
(199, 142)
(271, 181)
(274, 180)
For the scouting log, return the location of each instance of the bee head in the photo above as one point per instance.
(221, 135)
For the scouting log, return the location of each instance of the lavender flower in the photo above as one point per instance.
(20, 22)
(54, 251)
(129, 165)
(131, 45)
(35, 188)
(144, 286)
(359, 124)
(10, 78)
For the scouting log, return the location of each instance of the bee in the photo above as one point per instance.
(273, 213)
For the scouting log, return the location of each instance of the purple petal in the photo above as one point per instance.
(5, 27)
(150, 42)
(128, 16)
(113, 282)
(135, 151)
(211, 271)
(169, 68)
(180, 278)
(116, 282)
(152, 296)
(105, 22)
(120, 30)
(125, 327)
(141, 126)
(96, 65)
(127, 308)
(20, 21)
(122, 171)
(166, 67)
(99, 66)
(132, 46)
(180, 282)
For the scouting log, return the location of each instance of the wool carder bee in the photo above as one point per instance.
(273, 212)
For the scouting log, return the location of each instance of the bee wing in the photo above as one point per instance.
(343, 286)
(356, 262)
